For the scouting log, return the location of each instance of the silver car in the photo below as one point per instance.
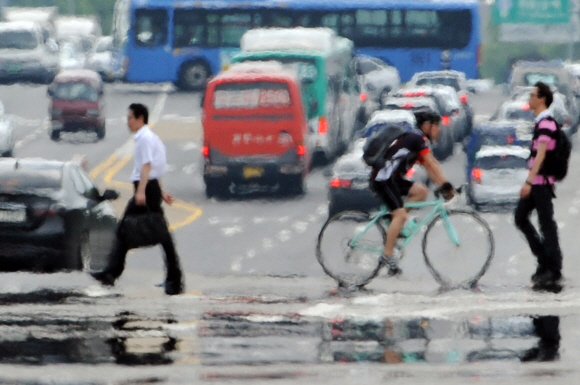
(99, 59)
(377, 77)
(497, 176)
(6, 134)
(24, 55)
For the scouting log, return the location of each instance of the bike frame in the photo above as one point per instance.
(438, 209)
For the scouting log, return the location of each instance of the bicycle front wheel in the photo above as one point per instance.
(458, 248)
(346, 252)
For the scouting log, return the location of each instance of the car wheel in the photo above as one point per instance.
(101, 131)
(55, 135)
(8, 154)
(215, 188)
(292, 185)
(193, 76)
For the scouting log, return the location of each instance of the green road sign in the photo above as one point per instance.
(531, 11)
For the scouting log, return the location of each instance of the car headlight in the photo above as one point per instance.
(93, 112)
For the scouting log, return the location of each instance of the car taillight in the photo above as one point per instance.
(526, 107)
(411, 172)
(445, 120)
(300, 150)
(464, 99)
(340, 183)
(476, 175)
(322, 125)
(414, 94)
(205, 152)
(408, 105)
(363, 97)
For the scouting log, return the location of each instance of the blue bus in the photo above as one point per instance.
(188, 41)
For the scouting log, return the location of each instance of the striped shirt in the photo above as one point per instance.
(543, 124)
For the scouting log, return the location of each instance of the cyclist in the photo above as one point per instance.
(390, 184)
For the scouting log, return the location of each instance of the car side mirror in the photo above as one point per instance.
(50, 92)
(202, 101)
(109, 195)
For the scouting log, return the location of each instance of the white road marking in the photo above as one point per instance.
(190, 146)
(251, 253)
(283, 219)
(267, 244)
(189, 169)
(300, 226)
(231, 231)
(217, 220)
(236, 264)
(284, 235)
(30, 137)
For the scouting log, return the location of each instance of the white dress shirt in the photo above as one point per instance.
(149, 149)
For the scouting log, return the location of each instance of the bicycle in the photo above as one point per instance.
(362, 243)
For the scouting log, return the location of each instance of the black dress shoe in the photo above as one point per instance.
(106, 279)
(541, 354)
(174, 287)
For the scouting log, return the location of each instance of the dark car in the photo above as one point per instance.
(76, 103)
(496, 133)
(443, 147)
(52, 217)
(349, 183)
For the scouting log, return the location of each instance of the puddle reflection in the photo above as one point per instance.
(246, 339)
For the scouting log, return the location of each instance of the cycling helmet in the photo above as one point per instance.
(426, 115)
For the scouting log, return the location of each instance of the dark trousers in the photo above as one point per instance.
(119, 251)
(546, 247)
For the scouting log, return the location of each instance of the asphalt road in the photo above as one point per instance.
(253, 256)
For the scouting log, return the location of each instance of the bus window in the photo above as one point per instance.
(421, 23)
(371, 23)
(280, 20)
(395, 23)
(233, 26)
(347, 24)
(330, 20)
(150, 27)
(189, 29)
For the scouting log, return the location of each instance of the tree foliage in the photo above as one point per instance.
(102, 9)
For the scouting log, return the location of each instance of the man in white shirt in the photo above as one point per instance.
(150, 164)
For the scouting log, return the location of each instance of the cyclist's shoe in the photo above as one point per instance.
(391, 263)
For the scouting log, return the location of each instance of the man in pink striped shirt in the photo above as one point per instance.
(537, 194)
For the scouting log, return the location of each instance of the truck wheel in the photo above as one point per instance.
(101, 131)
(193, 76)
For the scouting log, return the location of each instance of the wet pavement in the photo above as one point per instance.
(300, 331)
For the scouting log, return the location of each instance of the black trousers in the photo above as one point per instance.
(119, 252)
(546, 247)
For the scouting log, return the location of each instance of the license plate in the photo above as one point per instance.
(253, 172)
(360, 185)
(12, 216)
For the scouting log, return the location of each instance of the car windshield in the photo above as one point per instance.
(532, 78)
(366, 66)
(28, 180)
(17, 40)
(501, 162)
(75, 91)
(439, 81)
(104, 46)
(520, 114)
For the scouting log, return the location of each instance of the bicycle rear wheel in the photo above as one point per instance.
(458, 264)
(349, 264)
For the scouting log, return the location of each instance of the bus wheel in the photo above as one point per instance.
(193, 76)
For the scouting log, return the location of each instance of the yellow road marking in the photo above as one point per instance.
(194, 210)
(103, 166)
(111, 168)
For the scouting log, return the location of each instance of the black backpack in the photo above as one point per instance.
(556, 162)
(376, 147)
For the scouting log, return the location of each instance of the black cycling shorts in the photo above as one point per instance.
(392, 191)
